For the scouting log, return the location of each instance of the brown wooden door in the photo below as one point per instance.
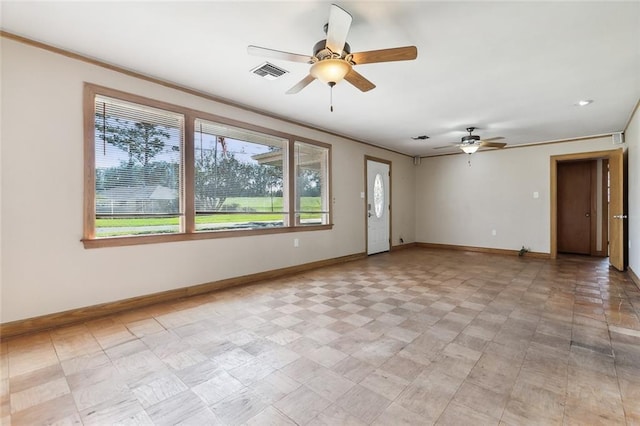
(574, 207)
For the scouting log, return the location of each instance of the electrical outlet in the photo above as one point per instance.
(296, 242)
(494, 232)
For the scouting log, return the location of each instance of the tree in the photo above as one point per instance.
(141, 141)
(159, 172)
(263, 180)
(309, 184)
(217, 177)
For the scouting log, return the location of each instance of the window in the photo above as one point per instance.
(157, 172)
(312, 195)
(138, 173)
(378, 195)
(239, 178)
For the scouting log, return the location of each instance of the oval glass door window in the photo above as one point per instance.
(378, 195)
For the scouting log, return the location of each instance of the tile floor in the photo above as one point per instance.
(411, 338)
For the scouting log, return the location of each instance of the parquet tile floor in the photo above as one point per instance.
(414, 337)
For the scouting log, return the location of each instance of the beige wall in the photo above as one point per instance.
(460, 204)
(45, 268)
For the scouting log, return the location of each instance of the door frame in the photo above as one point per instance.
(616, 180)
(366, 198)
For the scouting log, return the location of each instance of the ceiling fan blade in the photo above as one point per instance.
(277, 54)
(497, 138)
(406, 53)
(485, 144)
(359, 81)
(301, 85)
(445, 146)
(338, 28)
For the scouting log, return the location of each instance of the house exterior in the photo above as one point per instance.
(140, 199)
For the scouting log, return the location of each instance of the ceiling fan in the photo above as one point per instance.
(471, 143)
(332, 60)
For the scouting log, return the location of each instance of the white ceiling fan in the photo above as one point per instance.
(471, 143)
(332, 60)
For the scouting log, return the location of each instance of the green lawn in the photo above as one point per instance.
(261, 204)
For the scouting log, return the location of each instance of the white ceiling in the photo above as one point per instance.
(512, 69)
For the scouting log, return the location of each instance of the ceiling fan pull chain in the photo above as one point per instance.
(331, 98)
(331, 84)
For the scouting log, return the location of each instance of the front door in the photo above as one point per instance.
(378, 206)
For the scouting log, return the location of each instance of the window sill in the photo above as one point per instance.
(203, 235)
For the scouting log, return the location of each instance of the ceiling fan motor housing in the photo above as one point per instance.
(470, 139)
(321, 51)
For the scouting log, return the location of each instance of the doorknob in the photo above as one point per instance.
(587, 214)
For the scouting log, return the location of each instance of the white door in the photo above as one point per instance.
(377, 207)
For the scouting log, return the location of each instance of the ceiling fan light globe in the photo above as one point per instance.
(469, 149)
(330, 70)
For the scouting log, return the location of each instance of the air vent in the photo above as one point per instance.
(269, 71)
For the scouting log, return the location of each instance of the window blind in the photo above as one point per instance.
(138, 165)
